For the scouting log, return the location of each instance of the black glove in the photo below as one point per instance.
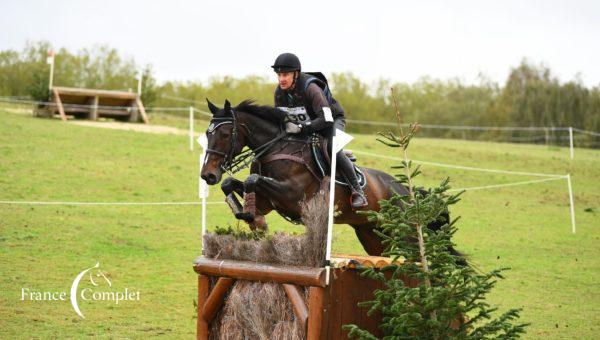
(306, 128)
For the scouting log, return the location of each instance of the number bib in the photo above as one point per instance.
(295, 114)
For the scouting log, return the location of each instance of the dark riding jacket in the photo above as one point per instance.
(309, 104)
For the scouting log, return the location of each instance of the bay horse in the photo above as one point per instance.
(283, 171)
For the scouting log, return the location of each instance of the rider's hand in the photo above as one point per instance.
(292, 128)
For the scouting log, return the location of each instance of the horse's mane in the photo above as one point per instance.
(266, 112)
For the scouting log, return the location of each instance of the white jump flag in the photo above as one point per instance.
(202, 186)
(339, 141)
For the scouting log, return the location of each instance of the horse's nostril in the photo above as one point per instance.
(211, 178)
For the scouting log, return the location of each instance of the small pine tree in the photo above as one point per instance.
(449, 301)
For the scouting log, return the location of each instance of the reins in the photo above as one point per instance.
(234, 164)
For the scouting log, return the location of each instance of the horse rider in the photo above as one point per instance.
(312, 108)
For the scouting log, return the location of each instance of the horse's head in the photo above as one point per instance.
(224, 142)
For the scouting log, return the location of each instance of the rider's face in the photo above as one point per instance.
(286, 79)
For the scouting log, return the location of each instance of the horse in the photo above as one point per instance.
(283, 171)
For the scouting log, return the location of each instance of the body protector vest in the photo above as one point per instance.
(297, 105)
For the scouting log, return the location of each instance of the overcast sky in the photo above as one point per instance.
(399, 40)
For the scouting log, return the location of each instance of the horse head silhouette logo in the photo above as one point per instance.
(78, 278)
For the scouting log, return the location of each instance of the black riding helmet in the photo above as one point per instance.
(287, 62)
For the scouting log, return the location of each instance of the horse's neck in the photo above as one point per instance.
(259, 132)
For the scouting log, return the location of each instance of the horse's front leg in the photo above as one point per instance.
(256, 187)
(230, 187)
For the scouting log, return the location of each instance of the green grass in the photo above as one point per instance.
(554, 274)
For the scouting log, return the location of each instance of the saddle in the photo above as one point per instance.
(321, 156)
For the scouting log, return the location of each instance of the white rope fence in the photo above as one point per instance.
(194, 203)
(549, 177)
(193, 109)
(459, 167)
(102, 203)
(25, 100)
(464, 127)
(503, 185)
(493, 186)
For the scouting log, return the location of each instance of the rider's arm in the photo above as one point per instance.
(320, 106)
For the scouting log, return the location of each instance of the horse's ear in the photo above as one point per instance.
(213, 109)
(227, 105)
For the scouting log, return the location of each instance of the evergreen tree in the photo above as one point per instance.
(449, 301)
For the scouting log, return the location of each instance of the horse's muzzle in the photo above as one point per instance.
(210, 178)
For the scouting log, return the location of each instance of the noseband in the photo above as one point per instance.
(228, 158)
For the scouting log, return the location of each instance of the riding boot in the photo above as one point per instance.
(357, 198)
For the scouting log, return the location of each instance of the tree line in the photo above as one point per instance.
(531, 95)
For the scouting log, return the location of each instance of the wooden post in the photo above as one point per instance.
(294, 293)
(94, 108)
(252, 271)
(59, 105)
(216, 298)
(203, 291)
(134, 116)
(141, 109)
(315, 313)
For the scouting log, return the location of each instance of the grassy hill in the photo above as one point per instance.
(554, 274)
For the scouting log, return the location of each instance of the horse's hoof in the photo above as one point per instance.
(245, 216)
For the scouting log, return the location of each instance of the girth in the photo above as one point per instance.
(286, 157)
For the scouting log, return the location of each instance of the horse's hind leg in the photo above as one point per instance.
(259, 222)
(259, 191)
(369, 240)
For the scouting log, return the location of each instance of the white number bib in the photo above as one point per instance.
(296, 114)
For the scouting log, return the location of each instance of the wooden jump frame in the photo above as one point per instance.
(93, 103)
(328, 308)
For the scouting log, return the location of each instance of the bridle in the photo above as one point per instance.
(231, 163)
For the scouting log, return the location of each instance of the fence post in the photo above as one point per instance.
(203, 187)
(191, 128)
(571, 141)
(571, 203)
